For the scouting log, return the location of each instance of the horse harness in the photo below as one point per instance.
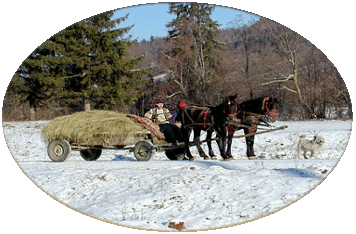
(265, 107)
(253, 118)
(204, 112)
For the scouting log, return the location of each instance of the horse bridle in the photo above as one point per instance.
(234, 112)
(265, 106)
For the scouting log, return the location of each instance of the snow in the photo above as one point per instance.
(326, 209)
(202, 194)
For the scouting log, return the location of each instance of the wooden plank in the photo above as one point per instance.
(113, 140)
(257, 133)
(252, 133)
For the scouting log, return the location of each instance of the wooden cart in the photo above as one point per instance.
(143, 144)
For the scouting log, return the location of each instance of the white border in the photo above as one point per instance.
(328, 25)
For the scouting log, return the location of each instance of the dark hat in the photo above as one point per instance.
(159, 101)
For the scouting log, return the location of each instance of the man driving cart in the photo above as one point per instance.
(161, 116)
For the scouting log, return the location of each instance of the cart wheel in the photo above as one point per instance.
(175, 154)
(144, 150)
(90, 154)
(58, 150)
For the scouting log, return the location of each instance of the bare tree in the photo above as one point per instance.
(287, 41)
(244, 35)
(194, 56)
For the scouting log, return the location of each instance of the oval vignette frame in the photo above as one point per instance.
(250, 226)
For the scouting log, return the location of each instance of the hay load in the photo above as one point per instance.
(95, 127)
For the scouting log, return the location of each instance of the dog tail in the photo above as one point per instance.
(303, 136)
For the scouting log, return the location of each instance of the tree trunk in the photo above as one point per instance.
(305, 106)
(32, 113)
(247, 70)
(86, 103)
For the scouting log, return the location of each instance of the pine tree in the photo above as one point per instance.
(97, 68)
(34, 81)
(195, 53)
(84, 63)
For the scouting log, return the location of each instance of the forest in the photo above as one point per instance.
(93, 65)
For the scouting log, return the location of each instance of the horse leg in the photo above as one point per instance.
(249, 143)
(208, 140)
(186, 134)
(222, 145)
(223, 138)
(198, 144)
(229, 143)
(219, 142)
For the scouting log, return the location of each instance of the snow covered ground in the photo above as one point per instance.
(202, 194)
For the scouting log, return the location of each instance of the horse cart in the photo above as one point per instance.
(134, 133)
(90, 132)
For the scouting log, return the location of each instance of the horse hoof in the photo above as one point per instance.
(213, 158)
(191, 159)
(252, 157)
(206, 158)
(226, 159)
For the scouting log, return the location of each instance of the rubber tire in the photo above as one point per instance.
(58, 150)
(90, 154)
(144, 150)
(175, 154)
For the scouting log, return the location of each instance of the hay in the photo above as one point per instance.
(85, 127)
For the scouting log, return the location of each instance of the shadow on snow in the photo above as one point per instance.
(122, 158)
(295, 172)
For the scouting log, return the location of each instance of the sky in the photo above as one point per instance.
(150, 19)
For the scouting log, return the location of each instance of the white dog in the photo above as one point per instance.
(306, 145)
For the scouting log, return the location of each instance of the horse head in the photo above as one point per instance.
(230, 106)
(270, 108)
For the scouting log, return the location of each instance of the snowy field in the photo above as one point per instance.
(202, 194)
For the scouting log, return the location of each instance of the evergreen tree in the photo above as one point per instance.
(84, 63)
(97, 70)
(195, 53)
(34, 81)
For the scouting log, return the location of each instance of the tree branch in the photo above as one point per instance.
(291, 90)
(279, 80)
(66, 77)
(172, 95)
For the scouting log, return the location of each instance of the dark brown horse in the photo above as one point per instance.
(208, 119)
(251, 114)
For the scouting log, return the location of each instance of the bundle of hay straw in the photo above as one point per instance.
(82, 126)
